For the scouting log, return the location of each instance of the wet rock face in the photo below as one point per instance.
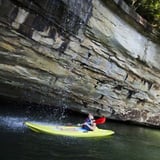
(79, 54)
(45, 18)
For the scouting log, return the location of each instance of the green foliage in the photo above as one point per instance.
(149, 9)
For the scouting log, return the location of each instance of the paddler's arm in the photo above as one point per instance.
(91, 127)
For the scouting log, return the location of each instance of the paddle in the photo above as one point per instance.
(100, 120)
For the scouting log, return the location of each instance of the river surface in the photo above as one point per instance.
(17, 142)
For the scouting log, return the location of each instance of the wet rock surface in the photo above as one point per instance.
(79, 54)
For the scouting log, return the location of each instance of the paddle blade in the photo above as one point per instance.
(100, 120)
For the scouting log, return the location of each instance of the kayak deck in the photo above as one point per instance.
(73, 131)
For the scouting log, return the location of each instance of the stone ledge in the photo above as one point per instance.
(132, 15)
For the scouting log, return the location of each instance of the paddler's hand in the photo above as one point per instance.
(79, 125)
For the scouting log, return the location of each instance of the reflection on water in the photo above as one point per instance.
(20, 143)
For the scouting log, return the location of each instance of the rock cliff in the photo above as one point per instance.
(86, 55)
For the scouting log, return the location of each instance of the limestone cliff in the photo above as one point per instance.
(87, 55)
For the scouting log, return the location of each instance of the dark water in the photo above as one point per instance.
(19, 143)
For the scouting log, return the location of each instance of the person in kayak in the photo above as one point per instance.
(89, 124)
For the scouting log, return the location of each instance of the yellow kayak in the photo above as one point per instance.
(72, 131)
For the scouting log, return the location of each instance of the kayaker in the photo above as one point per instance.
(89, 124)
